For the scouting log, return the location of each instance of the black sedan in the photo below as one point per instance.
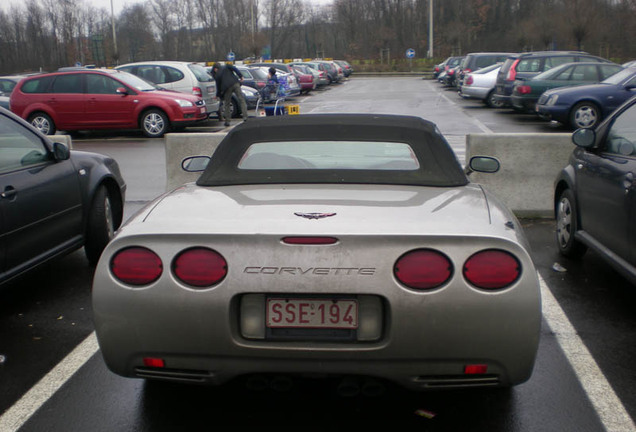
(52, 200)
(595, 194)
(585, 106)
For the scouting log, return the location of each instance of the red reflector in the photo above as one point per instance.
(200, 267)
(197, 91)
(524, 89)
(492, 269)
(154, 362)
(475, 369)
(310, 240)
(136, 266)
(423, 269)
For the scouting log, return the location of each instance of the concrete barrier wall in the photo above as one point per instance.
(529, 165)
(182, 145)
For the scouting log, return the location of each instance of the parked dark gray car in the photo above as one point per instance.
(52, 200)
(528, 64)
(595, 194)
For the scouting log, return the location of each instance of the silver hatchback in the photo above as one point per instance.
(179, 76)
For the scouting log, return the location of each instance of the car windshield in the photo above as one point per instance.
(487, 69)
(259, 74)
(550, 73)
(200, 73)
(134, 81)
(316, 155)
(620, 77)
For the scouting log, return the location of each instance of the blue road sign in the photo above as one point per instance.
(410, 53)
(230, 56)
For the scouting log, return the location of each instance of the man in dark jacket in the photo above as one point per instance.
(228, 80)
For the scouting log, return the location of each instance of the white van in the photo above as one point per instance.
(179, 76)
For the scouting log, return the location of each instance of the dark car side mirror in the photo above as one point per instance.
(61, 151)
(483, 164)
(122, 91)
(584, 137)
(195, 163)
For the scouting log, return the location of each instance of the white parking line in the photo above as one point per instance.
(606, 403)
(22, 410)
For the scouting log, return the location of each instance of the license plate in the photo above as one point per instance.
(312, 313)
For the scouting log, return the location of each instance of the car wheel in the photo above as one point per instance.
(585, 115)
(567, 225)
(154, 123)
(101, 225)
(43, 123)
(491, 101)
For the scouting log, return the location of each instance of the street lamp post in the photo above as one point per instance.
(112, 21)
(430, 29)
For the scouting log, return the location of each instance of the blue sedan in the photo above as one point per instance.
(585, 106)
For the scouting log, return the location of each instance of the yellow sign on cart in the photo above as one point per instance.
(293, 109)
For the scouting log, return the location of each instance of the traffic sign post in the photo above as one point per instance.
(230, 56)
(410, 54)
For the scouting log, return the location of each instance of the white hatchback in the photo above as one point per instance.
(184, 77)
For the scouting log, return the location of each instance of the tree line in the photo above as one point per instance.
(47, 34)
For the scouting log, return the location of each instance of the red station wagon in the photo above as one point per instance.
(102, 99)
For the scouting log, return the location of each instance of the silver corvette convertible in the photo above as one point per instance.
(323, 245)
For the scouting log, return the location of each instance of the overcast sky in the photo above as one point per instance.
(118, 5)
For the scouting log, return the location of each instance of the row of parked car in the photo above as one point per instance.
(595, 194)
(154, 96)
(574, 88)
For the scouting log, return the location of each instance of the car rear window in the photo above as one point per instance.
(37, 85)
(342, 149)
(200, 73)
(529, 65)
(317, 155)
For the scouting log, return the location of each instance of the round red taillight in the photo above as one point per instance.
(492, 269)
(199, 267)
(423, 269)
(136, 266)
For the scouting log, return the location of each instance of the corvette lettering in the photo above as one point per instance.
(318, 271)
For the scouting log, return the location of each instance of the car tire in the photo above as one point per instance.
(566, 226)
(585, 115)
(491, 102)
(43, 123)
(100, 228)
(154, 123)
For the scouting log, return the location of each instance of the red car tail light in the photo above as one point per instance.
(200, 267)
(475, 369)
(154, 362)
(492, 269)
(469, 80)
(512, 72)
(197, 91)
(451, 72)
(423, 269)
(524, 89)
(136, 266)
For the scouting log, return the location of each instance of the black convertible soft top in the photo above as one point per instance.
(438, 164)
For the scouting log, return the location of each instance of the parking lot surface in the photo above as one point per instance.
(54, 379)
